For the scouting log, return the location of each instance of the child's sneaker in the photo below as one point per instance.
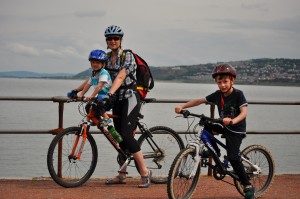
(105, 122)
(249, 192)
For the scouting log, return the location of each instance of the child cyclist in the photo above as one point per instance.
(232, 107)
(100, 80)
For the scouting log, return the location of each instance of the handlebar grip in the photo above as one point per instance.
(185, 113)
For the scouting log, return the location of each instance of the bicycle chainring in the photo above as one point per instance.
(218, 175)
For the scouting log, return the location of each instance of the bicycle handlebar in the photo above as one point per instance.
(76, 99)
(202, 117)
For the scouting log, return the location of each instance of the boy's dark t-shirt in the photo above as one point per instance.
(230, 108)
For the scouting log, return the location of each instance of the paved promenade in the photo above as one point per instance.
(283, 187)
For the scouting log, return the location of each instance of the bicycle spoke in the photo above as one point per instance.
(180, 182)
(160, 152)
(74, 171)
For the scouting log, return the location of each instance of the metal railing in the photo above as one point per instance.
(61, 100)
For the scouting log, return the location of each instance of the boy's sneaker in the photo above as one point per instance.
(105, 122)
(249, 192)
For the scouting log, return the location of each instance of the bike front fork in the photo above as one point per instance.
(198, 148)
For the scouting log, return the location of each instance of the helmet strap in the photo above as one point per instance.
(95, 72)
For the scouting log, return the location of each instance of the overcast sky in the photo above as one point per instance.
(57, 35)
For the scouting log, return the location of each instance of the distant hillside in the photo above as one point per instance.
(262, 71)
(28, 74)
(255, 71)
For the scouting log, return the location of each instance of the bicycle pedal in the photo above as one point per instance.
(204, 162)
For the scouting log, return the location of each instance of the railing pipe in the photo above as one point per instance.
(61, 100)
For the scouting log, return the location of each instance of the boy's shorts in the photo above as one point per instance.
(97, 108)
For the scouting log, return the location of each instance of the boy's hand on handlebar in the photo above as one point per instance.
(178, 109)
(72, 94)
(227, 121)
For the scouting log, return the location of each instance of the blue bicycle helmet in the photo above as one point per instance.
(99, 55)
(113, 30)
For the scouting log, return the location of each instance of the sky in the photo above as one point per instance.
(57, 36)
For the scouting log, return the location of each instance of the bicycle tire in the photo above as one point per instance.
(262, 157)
(170, 144)
(179, 185)
(74, 172)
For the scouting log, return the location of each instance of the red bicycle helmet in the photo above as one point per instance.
(224, 69)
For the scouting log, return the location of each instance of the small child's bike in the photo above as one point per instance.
(186, 167)
(73, 154)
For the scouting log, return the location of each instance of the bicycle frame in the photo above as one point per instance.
(91, 120)
(207, 140)
(151, 143)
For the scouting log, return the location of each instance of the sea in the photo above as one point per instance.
(24, 156)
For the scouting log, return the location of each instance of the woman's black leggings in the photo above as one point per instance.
(128, 110)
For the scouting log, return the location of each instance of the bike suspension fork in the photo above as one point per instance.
(83, 134)
(198, 147)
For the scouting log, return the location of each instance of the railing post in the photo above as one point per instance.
(212, 115)
(60, 126)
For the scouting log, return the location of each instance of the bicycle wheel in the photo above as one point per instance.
(262, 180)
(74, 172)
(180, 184)
(159, 161)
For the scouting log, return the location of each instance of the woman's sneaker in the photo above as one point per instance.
(249, 192)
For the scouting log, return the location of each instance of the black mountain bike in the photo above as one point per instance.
(186, 168)
(73, 154)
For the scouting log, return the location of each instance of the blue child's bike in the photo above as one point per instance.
(186, 168)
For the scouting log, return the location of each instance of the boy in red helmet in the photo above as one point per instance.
(232, 107)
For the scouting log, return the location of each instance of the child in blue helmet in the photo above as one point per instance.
(100, 80)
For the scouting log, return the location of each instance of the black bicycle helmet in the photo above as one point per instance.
(224, 69)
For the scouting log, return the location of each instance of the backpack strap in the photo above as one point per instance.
(123, 55)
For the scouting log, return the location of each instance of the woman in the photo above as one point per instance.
(126, 102)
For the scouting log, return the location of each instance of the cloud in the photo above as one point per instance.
(95, 13)
(22, 49)
(256, 6)
(61, 52)
(60, 34)
(284, 24)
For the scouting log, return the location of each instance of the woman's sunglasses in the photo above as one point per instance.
(113, 38)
